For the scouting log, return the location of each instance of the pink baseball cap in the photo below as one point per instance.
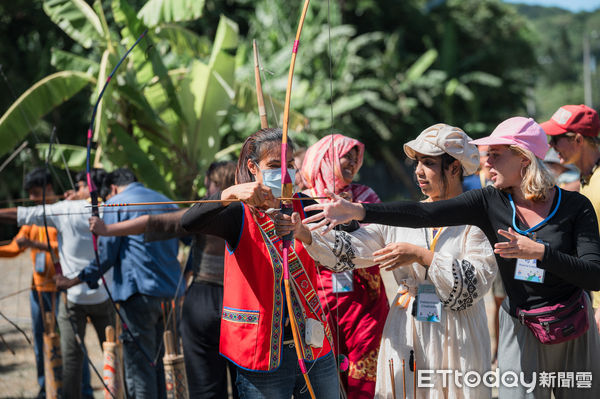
(522, 132)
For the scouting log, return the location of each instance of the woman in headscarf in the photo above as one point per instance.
(356, 302)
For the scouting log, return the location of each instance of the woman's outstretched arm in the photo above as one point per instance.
(467, 208)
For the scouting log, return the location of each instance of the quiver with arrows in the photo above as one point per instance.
(175, 377)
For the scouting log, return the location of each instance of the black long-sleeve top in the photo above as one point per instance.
(216, 219)
(221, 221)
(571, 258)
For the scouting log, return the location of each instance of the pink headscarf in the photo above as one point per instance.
(321, 167)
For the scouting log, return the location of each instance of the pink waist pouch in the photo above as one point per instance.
(558, 323)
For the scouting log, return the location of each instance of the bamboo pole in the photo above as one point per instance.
(112, 372)
(393, 378)
(52, 359)
(262, 111)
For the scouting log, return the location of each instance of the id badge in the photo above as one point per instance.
(314, 333)
(527, 270)
(429, 306)
(40, 262)
(342, 282)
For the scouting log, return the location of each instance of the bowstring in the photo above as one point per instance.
(13, 155)
(171, 311)
(15, 325)
(94, 199)
(58, 271)
(332, 148)
(62, 156)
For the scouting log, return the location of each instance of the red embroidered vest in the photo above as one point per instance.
(253, 297)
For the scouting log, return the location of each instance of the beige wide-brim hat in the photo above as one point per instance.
(441, 138)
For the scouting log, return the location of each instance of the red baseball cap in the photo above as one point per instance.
(573, 118)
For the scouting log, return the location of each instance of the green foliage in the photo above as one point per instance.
(73, 155)
(34, 103)
(77, 19)
(161, 113)
(377, 70)
(453, 63)
(157, 12)
(396, 68)
(559, 36)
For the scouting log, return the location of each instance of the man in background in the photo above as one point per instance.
(573, 131)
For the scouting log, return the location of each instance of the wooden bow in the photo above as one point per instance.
(286, 205)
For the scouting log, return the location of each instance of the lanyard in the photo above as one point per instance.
(404, 299)
(526, 232)
(435, 237)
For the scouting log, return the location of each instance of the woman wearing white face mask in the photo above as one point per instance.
(255, 330)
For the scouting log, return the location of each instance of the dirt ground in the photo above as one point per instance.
(17, 372)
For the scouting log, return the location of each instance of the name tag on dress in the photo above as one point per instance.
(527, 270)
(342, 282)
(40, 262)
(429, 307)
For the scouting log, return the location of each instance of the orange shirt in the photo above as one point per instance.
(42, 281)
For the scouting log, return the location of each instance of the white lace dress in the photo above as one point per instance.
(462, 271)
